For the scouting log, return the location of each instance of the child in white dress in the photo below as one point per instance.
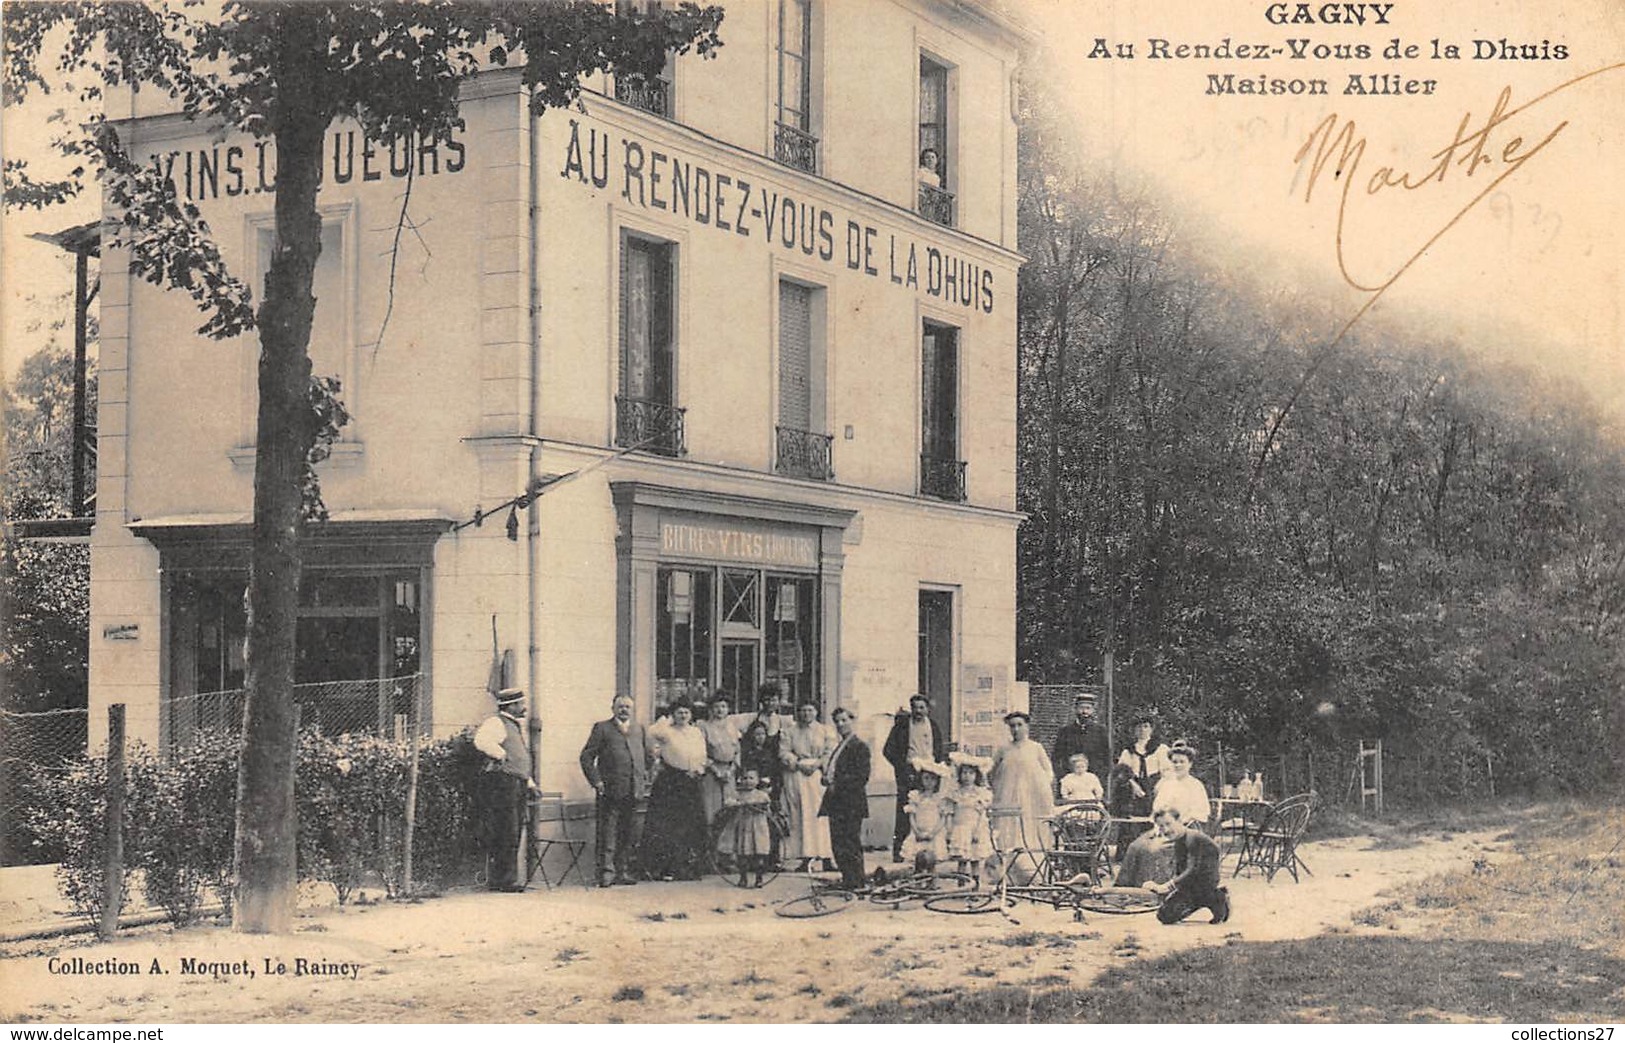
(1081, 783)
(927, 808)
(968, 838)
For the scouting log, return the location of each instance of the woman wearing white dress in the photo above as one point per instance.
(1023, 783)
(802, 749)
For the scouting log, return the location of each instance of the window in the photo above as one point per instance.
(332, 332)
(942, 473)
(646, 414)
(793, 141)
(656, 94)
(802, 449)
(357, 652)
(762, 627)
(936, 198)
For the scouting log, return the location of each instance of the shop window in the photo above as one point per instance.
(683, 635)
(936, 192)
(646, 415)
(762, 627)
(357, 653)
(794, 143)
(942, 473)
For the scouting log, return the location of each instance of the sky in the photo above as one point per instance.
(1532, 272)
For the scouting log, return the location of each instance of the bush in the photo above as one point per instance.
(72, 822)
(180, 818)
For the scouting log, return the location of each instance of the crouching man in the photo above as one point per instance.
(1196, 873)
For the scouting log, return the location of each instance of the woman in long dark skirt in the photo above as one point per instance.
(674, 836)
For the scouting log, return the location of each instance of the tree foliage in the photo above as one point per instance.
(1291, 543)
(46, 586)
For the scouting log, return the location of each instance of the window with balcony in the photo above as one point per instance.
(942, 472)
(936, 197)
(794, 144)
(653, 94)
(646, 412)
(801, 448)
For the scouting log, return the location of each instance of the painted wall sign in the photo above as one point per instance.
(654, 178)
(246, 166)
(737, 541)
(121, 632)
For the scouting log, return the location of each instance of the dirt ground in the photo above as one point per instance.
(662, 952)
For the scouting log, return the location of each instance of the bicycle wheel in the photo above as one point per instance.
(1119, 900)
(816, 903)
(969, 903)
(721, 860)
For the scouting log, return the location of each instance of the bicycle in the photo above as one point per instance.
(920, 886)
(823, 898)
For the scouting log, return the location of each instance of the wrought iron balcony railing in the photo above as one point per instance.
(646, 424)
(936, 204)
(649, 95)
(794, 147)
(944, 479)
(804, 454)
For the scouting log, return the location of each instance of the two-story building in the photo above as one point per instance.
(760, 312)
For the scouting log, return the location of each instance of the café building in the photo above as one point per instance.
(739, 339)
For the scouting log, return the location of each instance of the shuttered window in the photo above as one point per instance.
(795, 355)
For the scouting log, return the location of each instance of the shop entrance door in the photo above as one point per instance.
(740, 669)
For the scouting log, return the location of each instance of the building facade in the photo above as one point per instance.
(749, 326)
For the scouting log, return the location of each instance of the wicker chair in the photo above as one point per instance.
(1273, 846)
(1081, 844)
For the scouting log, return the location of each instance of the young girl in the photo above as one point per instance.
(927, 809)
(748, 838)
(1081, 784)
(968, 839)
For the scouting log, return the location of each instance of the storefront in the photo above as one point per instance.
(722, 593)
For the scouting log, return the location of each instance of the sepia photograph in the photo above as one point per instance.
(588, 512)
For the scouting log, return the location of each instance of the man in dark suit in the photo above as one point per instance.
(1084, 736)
(846, 797)
(615, 761)
(913, 737)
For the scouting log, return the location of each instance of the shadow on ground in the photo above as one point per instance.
(1331, 978)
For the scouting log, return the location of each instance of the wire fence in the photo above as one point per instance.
(36, 745)
(386, 707)
(33, 746)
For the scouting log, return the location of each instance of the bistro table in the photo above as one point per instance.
(1235, 817)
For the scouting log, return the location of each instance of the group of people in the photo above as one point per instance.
(1152, 786)
(791, 769)
(698, 760)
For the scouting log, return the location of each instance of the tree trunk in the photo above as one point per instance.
(267, 849)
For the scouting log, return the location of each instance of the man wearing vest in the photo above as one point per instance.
(615, 761)
(503, 786)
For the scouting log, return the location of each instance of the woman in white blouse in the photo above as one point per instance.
(1151, 856)
(675, 835)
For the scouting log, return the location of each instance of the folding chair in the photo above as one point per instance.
(550, 823)
(1273, 846)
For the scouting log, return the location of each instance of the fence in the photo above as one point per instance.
(33, 746)
(378, 706)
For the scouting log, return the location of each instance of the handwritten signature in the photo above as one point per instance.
(1335, 143)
